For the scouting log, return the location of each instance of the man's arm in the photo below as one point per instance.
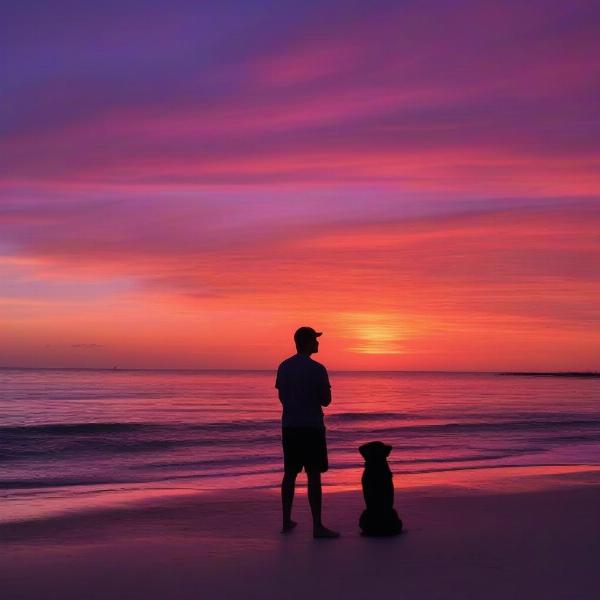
(325, 393)
(325, 396)
(278, 385)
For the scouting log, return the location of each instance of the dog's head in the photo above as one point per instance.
(375, 451)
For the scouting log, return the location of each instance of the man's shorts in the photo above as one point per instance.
(304, 447)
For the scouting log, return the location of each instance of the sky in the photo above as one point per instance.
(182, 184)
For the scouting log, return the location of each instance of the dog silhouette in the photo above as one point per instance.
(379, 518)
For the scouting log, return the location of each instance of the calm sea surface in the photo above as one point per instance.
(68, 435)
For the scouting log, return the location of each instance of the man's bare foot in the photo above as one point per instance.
(321, 532)
(287, 527)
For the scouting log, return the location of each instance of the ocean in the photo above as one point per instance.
(69, 438)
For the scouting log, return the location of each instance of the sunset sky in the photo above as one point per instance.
(184, 183)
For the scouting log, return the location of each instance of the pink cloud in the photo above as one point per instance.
(429, 168)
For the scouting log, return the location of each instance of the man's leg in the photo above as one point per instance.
(315, 500)
(288, 486)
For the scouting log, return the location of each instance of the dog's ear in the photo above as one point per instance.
(365, 450)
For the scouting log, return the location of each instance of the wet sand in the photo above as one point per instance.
(457, 544)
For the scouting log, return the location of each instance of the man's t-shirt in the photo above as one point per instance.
(302, 382)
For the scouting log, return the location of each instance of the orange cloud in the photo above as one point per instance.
(489, 290)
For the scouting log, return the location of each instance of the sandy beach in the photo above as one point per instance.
(457, 544)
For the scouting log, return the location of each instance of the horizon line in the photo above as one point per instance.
(207, 370)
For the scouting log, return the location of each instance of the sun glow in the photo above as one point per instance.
(374, 333)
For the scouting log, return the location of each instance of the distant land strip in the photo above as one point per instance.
(592, 374)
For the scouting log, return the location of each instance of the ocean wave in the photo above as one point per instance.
(138, 437)
(464, 421)
(76, 428)
(10, 484)
(93, 428)
(487, 426)
(377, 416)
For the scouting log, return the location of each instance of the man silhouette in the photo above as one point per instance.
(304, 388)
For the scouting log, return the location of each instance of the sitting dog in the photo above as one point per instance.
(379, 518)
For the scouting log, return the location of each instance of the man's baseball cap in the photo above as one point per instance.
(306, 334)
